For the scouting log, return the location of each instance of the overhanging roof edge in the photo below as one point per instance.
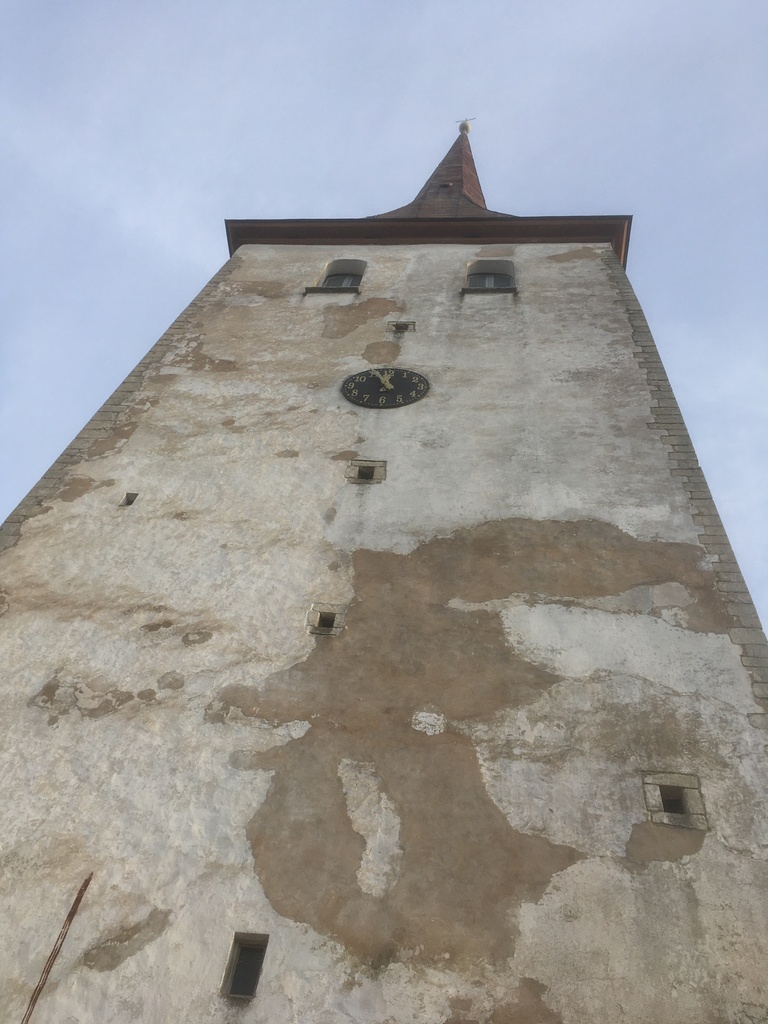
(614, 229)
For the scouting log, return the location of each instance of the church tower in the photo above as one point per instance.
(378, 649)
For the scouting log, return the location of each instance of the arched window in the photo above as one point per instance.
(340, 276)
(490, 276)
(342, 280)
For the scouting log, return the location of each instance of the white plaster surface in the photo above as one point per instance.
(374, 817)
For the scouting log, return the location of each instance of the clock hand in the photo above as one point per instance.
(385, 378)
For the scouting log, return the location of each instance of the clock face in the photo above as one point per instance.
(385, 388)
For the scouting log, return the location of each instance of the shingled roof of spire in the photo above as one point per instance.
(452, 190)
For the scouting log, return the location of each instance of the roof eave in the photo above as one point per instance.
(407, 231)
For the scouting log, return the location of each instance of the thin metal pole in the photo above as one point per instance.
(56, 950)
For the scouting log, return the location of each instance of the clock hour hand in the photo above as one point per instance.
(385, 378)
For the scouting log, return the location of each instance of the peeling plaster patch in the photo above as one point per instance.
(378, 352)
(575, 254)
(666, 601)
(126, 942)
(650, 842)
(373, 816)
(287, 453)
(429, 722)
(59, 697)
(237, 703)
(117, 440)
(464, 871)
(344, 456)
(77, 486)
(196, 636)
(495, 250)
(171, 681)
(576, 642)
(248, 760)
(342, 320)
(251, 292)
(153, 627)
(530, 1007)
(195, 358)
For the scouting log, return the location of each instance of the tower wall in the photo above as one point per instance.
(440, 813)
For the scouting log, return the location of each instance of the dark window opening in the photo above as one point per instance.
(326, 620)
(672, 799)
(489, 281)
(245, 963)
(365, 472)
(342, 280)
(129, 497)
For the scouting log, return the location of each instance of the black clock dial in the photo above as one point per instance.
(385, 388)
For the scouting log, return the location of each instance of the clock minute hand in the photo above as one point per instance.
(386, 379)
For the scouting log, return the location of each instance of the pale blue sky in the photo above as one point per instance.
(132, 131)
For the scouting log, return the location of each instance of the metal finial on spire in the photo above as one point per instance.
(465, 126)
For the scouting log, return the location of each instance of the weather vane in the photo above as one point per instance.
(464, 126)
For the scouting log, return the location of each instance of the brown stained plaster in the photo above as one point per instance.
(77, 486)
(266, 289)
(667, 420)
(126, 941)
(108, 417)
(529, 1008)
(651, 842)
(91, 699)
(339, 321)
(287, 453)
(59, 696)
(170, 681)
(464, 870)
(378, 352)
(487, 251)
(585, 253)
(344, 456)
(109, 445)
(196, 359)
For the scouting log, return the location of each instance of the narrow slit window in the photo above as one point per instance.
(129, 497)
(244, 966)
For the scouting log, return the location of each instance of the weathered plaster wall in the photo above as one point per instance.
(437, 815)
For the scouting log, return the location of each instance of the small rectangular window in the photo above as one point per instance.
(366, 471)
(244, 965)
(129, 497)
(326, 619)
(674, 798)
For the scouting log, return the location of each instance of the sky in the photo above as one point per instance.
(132, 130)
